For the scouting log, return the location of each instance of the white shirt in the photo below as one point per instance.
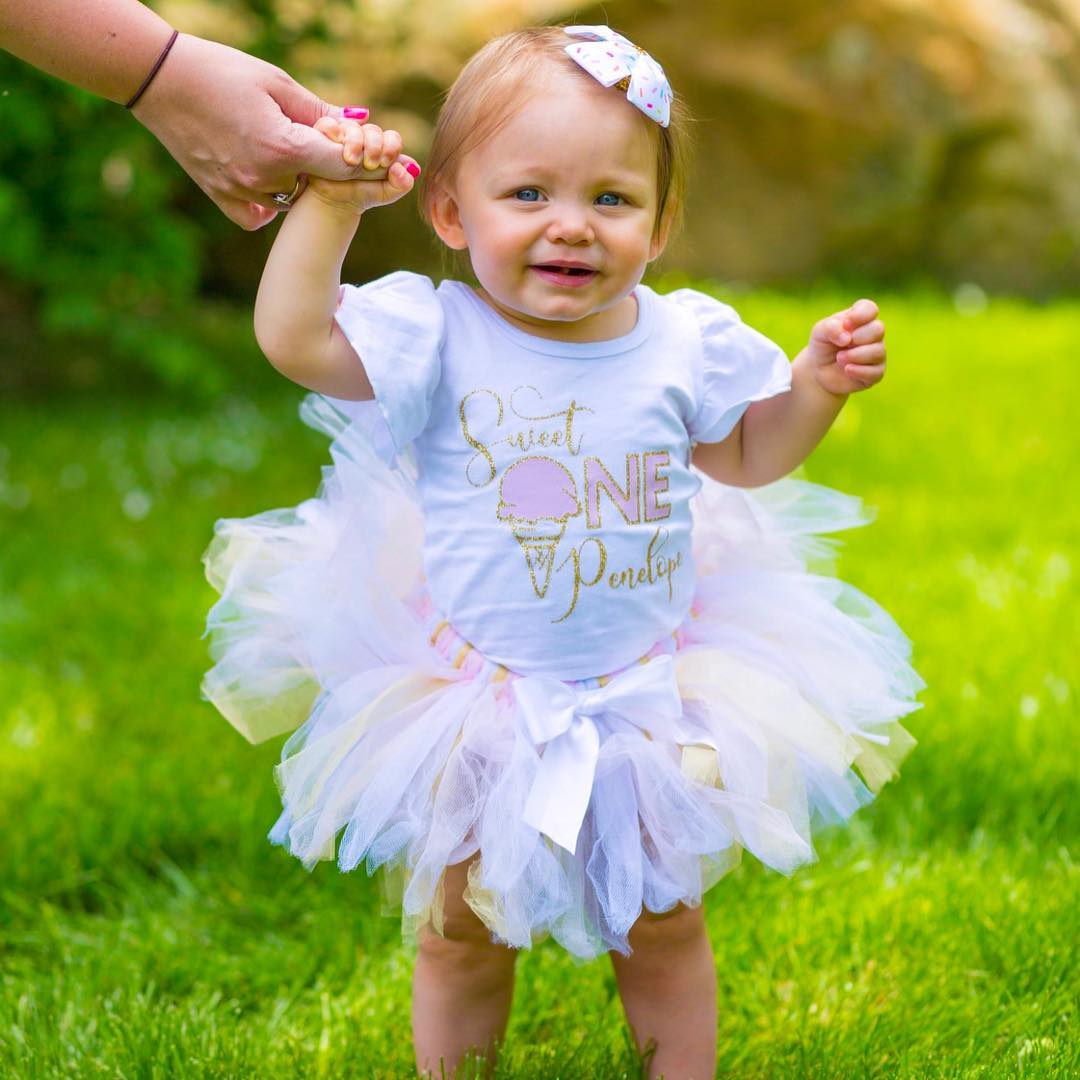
(554, 476)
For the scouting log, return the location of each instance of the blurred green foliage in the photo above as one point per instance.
(114, 267)
(98, 247)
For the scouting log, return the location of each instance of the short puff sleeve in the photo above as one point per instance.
(737, 366)
(396, 326)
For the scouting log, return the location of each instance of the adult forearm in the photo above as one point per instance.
(779, 433)
(105, 46)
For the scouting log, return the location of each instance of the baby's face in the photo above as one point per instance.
(557, 210)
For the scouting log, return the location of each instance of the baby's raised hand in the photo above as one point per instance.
(379, 153)
(848, 349)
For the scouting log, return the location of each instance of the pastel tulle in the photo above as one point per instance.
(409, 750)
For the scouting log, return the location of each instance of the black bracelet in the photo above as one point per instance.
(153, 71)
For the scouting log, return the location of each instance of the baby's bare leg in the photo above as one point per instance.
(463, 985)
(668, 991)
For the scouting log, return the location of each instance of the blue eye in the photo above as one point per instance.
(527, 194)
(609, 198)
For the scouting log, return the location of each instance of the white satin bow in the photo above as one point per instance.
(609, 58)
(555, 713)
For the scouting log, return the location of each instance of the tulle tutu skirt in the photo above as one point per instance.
(409, 750)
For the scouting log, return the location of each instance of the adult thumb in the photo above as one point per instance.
(310, 150)
(300, 105)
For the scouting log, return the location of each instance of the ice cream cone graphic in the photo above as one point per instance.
(536, 496)
(539, 555)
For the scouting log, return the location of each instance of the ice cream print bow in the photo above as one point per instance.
(610, 58)
(560, 715)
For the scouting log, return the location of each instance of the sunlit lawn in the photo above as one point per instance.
(147, 928)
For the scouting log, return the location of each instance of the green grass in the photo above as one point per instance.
(147, 929)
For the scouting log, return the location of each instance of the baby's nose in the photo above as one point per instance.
(570, 224)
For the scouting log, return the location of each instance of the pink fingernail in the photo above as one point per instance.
(355, 112)
(413, 169)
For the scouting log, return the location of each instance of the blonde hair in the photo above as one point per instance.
(480, 101)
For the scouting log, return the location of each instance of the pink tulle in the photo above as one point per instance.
(407, 750)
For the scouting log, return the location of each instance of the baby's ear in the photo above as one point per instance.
(446, 219)
(663, 230)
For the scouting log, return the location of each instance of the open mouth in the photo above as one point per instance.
(569, 271)
(564, 275)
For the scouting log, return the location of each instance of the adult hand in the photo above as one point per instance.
(389, 173)
(241, 128)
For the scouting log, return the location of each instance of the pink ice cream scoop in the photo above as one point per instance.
(536, 488)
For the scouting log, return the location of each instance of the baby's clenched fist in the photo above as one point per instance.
(391, 174)
(847, 349)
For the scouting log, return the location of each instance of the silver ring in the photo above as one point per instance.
(286, 199)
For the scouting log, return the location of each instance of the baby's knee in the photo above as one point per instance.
(458, 930)
(463, 938)
(464, 957)
(666, 930)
